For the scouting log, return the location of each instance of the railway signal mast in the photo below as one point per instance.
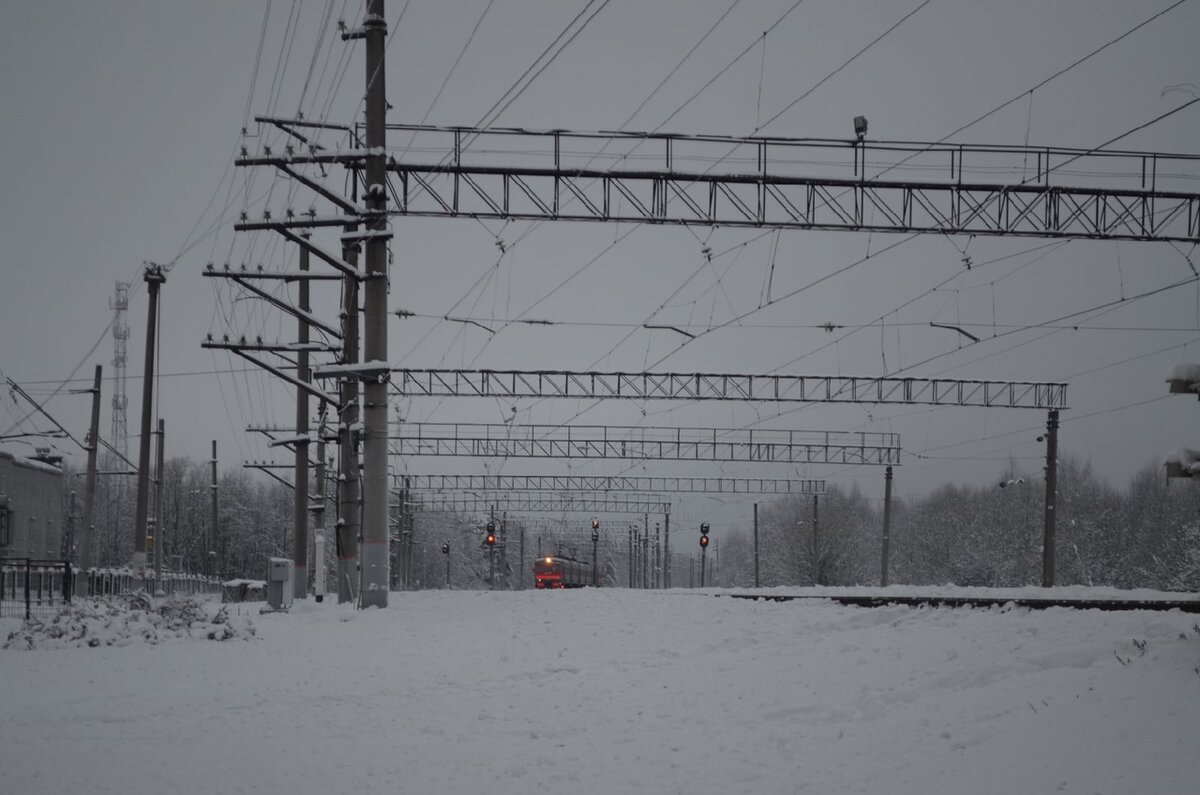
(595, 546)
(490, 540)
(703, 550)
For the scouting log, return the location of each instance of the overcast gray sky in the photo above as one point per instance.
(120, 121)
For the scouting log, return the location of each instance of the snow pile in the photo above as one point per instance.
(120, 622)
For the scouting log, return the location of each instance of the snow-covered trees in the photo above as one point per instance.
(1147, 536)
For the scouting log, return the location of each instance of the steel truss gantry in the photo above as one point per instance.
(724, 386)
(479, 440)
(605, 484)
(801, 183)
(539, 502)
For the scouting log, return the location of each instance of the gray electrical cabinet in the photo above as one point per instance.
(279, 583)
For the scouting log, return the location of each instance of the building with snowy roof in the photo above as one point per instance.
(31, 508)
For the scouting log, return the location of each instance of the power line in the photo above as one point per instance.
(844, 64)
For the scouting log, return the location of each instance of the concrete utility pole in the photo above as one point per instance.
(346, 538)
(646, 559)
(318, 510)
(666, 552)
(89, 494)
(756, 545)
(658, 556)
(630, 555)
(887, 519)
(214, 551)
(816, 545)
(375, 576)
(595, 552)
(159, 513)
(521, 565)
(1048, 541)
(155, 278)
(503, 553)
(300, 479)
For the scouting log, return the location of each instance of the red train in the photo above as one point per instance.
(556, 572)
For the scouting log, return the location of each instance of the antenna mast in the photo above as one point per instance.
(120, 334)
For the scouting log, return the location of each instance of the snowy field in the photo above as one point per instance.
(616, 691)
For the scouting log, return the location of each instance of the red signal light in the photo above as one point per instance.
(491, 539)
(703, 541)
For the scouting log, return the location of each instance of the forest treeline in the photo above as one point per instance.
(1146, 535)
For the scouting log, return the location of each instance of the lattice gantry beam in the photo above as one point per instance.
(718, 386)
(878, 186)
(604, 484)
(539, 502)
(481, 440)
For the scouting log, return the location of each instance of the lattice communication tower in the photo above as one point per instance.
(120, 334)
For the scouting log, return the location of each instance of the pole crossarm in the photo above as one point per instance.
(539, 502)
(605, 484)
(274, 431)
(877, 186)
(482, 440)
(265, 275)
(723, 386)
(271, 347)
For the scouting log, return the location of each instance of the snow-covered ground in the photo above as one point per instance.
(614, 691)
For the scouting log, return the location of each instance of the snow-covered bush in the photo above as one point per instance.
(120, 621)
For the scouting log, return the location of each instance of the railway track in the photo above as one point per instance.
(1032, 603)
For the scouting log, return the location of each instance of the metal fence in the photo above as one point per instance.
(111, 581)
(30, 587)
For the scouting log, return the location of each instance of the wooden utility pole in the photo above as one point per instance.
(375, 558)
(212, 558)
(300, 478)
(887, 520)
(154, 277)
(89, 495)
(161, 433)
(1048, 541)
